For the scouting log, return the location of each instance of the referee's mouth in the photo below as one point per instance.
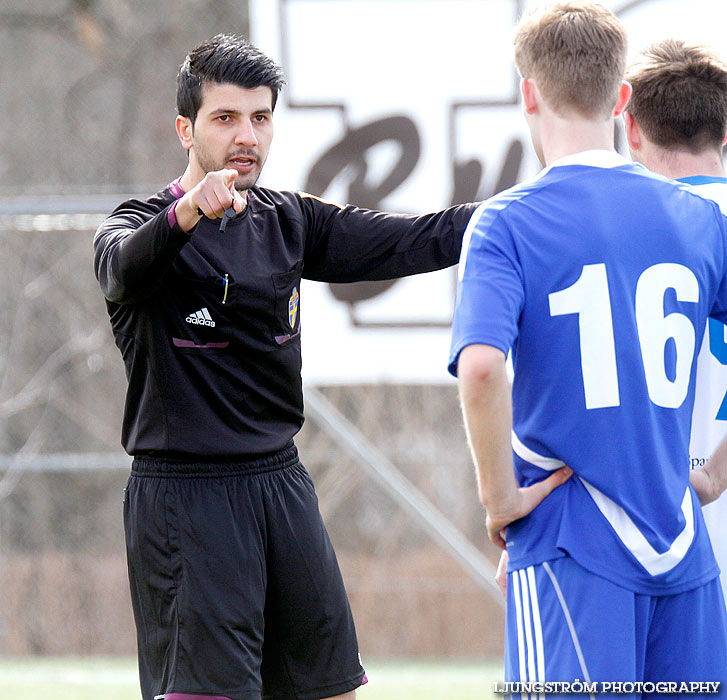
(243, 163)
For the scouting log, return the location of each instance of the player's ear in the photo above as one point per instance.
(185, 131)
(624, 95)
(633, 133)
(529, 92)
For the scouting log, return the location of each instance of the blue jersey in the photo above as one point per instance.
(709, 420)
(592, 275)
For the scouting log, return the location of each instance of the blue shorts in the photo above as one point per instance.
(566, 623)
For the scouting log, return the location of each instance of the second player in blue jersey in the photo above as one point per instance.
(591, 276)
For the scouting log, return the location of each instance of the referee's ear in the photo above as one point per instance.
(185, 131)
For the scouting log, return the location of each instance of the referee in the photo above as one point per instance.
(236, 590)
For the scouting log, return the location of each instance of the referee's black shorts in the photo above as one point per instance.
(234, 583)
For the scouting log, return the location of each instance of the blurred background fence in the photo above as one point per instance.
(88, 106)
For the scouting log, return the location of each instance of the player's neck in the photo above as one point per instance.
(565, 136)
(680, 164)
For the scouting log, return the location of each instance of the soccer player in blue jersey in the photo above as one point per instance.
(676, 125)
(591, 276)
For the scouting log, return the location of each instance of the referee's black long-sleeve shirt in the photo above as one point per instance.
(208, 323)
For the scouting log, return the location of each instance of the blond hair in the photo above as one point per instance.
(576, 53)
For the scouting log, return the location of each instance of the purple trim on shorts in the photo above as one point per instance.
(187, 696)
(176, 189)
(181, 343)
(365, 679)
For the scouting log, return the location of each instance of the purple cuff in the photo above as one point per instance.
(172, 214)
(177, 193)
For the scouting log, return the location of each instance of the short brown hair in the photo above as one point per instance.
(679, 95)
(576, 52)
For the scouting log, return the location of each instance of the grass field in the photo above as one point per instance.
(115, 679)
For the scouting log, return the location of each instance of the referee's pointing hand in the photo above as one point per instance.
(210, 197)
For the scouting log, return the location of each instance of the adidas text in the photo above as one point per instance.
(201, 318)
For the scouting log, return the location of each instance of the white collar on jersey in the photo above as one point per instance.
(595, 158)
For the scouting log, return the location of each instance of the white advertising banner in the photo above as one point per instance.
(411, 106)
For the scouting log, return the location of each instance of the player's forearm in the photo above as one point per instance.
(486, 405)
(710, 480)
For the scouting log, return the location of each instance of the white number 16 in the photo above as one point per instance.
(589, 298)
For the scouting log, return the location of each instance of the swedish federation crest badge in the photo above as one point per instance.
(293, 307)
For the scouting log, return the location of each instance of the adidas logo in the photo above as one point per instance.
(201, 318)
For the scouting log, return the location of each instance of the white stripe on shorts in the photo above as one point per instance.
(571, 626)
(515, 580)
(530, 643)
(537, 626)
(531, 659)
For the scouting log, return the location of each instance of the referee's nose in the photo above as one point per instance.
(246, 134)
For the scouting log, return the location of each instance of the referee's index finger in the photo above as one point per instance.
(229, 175)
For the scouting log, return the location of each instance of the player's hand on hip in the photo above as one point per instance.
(525, 500)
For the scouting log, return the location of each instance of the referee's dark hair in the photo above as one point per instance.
(224, 58)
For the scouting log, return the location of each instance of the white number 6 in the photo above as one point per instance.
(655, 330)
